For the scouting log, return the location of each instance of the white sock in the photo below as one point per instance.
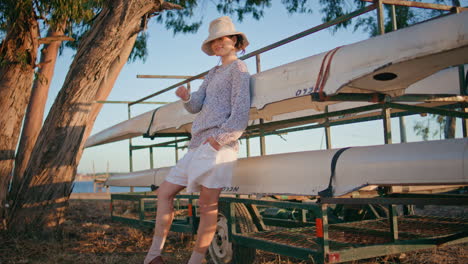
(155, 249)
(196, 258)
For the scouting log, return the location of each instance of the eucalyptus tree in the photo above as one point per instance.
(40, 199)
(15, 17)
(57, 18)
(18, 52)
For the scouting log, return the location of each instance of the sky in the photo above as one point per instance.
(180, 54)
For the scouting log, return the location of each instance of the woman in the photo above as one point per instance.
(222, 103)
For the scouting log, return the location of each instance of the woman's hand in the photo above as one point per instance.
(213, 143)
(183, 93)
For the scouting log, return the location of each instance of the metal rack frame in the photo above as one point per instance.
(315, 236)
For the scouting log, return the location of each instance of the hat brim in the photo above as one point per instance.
(206, 47)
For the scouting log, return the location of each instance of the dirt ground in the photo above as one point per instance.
(91, 237)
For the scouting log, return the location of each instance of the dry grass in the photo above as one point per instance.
(90, 237)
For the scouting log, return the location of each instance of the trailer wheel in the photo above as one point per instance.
(350, 213)
(221, 250)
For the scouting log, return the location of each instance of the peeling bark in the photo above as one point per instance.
(108, 83)
(43, 194)
(18, 54)
(35, 111)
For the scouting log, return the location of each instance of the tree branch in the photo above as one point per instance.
(170, 6)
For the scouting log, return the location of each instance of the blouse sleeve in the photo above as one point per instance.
(232, 129)
(195, 102)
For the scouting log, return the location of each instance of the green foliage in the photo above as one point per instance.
(56, 12)
(332, 9)
(178, 20)
(297, 6)
(405, 16)
(242, 8)
(13, 13)
(75, 14)
(425, 128)
(52, 12)
(15, 16)
(77, 32)
(139, 51)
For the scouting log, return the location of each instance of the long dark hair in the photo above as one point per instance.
(240, 43)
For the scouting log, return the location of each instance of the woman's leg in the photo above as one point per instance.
(208, 208)
(165, 210)
(164, 216)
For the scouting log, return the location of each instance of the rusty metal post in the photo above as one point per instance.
(380, 16)
(257, 62)
(463, 91)
(328, 137)
(130, 144)
(151, 158)
(247, 146)
(262, 137)
(327, 131)
(393, 221)
(401, 119)
(262, 140)
(394, 20)
(387, 125)
(386, 117)
(176, 150)
(130, 147)
(463, 79)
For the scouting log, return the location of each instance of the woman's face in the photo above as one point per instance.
(224, 45)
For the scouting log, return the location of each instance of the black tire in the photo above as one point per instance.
(221, 251)
(353, 213)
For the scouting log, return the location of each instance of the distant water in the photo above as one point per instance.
(87, 187)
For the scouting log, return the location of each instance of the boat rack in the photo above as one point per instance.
(449, 105)
(360, 225)
(315, 229)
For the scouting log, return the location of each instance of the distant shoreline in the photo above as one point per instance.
(86, 179)
(90, 178)
(90, 196)
(89, 187)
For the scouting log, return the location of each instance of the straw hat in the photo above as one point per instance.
(221, 27)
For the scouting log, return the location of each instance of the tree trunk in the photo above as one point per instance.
(108, 83)
(35, 111)
(18, 53)
(43, 195)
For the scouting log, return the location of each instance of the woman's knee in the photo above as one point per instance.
(208, 208)
(207, 205)
(165, 196)
(167, 191)
(208, 201)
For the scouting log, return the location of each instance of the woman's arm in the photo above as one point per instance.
(234, 126)
(195, 101)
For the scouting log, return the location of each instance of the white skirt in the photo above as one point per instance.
(205, 166)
